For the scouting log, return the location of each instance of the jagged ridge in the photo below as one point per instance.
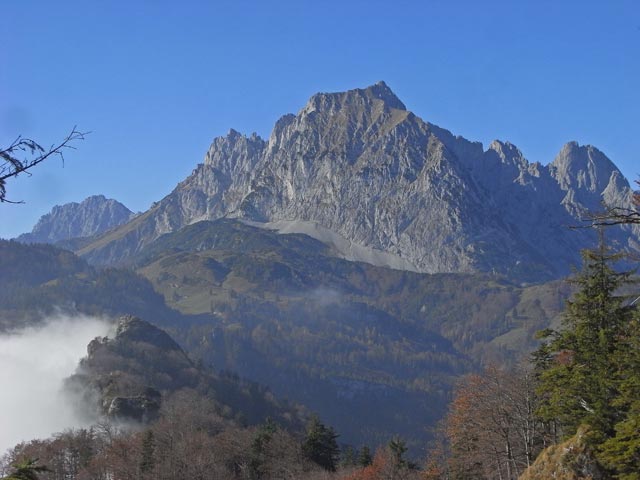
(93, 216)
(359, 164)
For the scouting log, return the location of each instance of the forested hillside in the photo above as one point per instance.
(571, 413)
(345, 339)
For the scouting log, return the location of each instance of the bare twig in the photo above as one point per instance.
(33, 153)
(614, 215)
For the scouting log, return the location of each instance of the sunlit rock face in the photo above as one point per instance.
(92, 216)
(358, 164)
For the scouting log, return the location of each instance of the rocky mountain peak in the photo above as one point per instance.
(382, 91)
(93, 216)
(375, 97)
(232, 145)
(364, 169)
(133, 329)
(583, 167)
(588, 178)
(507, 152)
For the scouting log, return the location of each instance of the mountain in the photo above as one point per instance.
(360, 171)
(129, 376)
(164, 417)
(375, 351)
(93, 216)
(38, 280)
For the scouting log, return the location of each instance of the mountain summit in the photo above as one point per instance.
(358, 167)
(93, 216)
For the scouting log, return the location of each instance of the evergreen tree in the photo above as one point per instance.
(147, 461)
(621, 452)
(364, 457)
(348, 457)
(259, 446)
(26, 470)
(398, 448)
(320, 445)
(579, 368)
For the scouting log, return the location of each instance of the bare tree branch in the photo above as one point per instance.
(33, 154)
(615, 215)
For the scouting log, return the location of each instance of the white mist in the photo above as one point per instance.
(33, 365)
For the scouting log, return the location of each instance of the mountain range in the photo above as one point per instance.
(361, 173)
(357, 262)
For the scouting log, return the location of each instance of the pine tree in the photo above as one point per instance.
(364, 457)
(147, 460)
(398, 448)
(261, 441)
(621, 452)
(348, 457)
(588, 372)
(320, 445)
(27, 470)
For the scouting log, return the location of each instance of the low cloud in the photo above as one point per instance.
(325, 296)
(33, 365)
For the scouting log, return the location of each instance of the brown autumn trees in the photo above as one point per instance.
(491, 430)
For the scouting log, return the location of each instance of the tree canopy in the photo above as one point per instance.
(589, 371)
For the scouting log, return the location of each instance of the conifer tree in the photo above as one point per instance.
(147, 460)
(320, 445)
(27, 470)
(576, 368)
(364, 457)
(621, 452)
(261, 441)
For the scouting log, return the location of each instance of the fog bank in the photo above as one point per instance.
(33, 364)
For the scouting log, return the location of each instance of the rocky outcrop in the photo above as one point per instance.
(570, 460)
(359, 165)
(128, 376)
(125, 375)
(142, 408)
(92, 216)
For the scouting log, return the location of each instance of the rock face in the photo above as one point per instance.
(92, 216)
(570, 460)
(361, 166)
(142, 408)
(128, 372)
(127, 377)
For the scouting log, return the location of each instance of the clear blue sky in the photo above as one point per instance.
(156, 81)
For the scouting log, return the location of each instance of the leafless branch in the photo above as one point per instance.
(615, 215)
(32, 154)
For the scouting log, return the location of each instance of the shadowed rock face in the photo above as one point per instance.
(128, 377)
(142, 408)
(128, 372)
(360, 165)
(92, 216)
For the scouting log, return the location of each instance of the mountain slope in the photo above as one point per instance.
(373, 350)
(345, 338)
(133, 372)
(93, 216)
(362, 167)
(40, 280)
